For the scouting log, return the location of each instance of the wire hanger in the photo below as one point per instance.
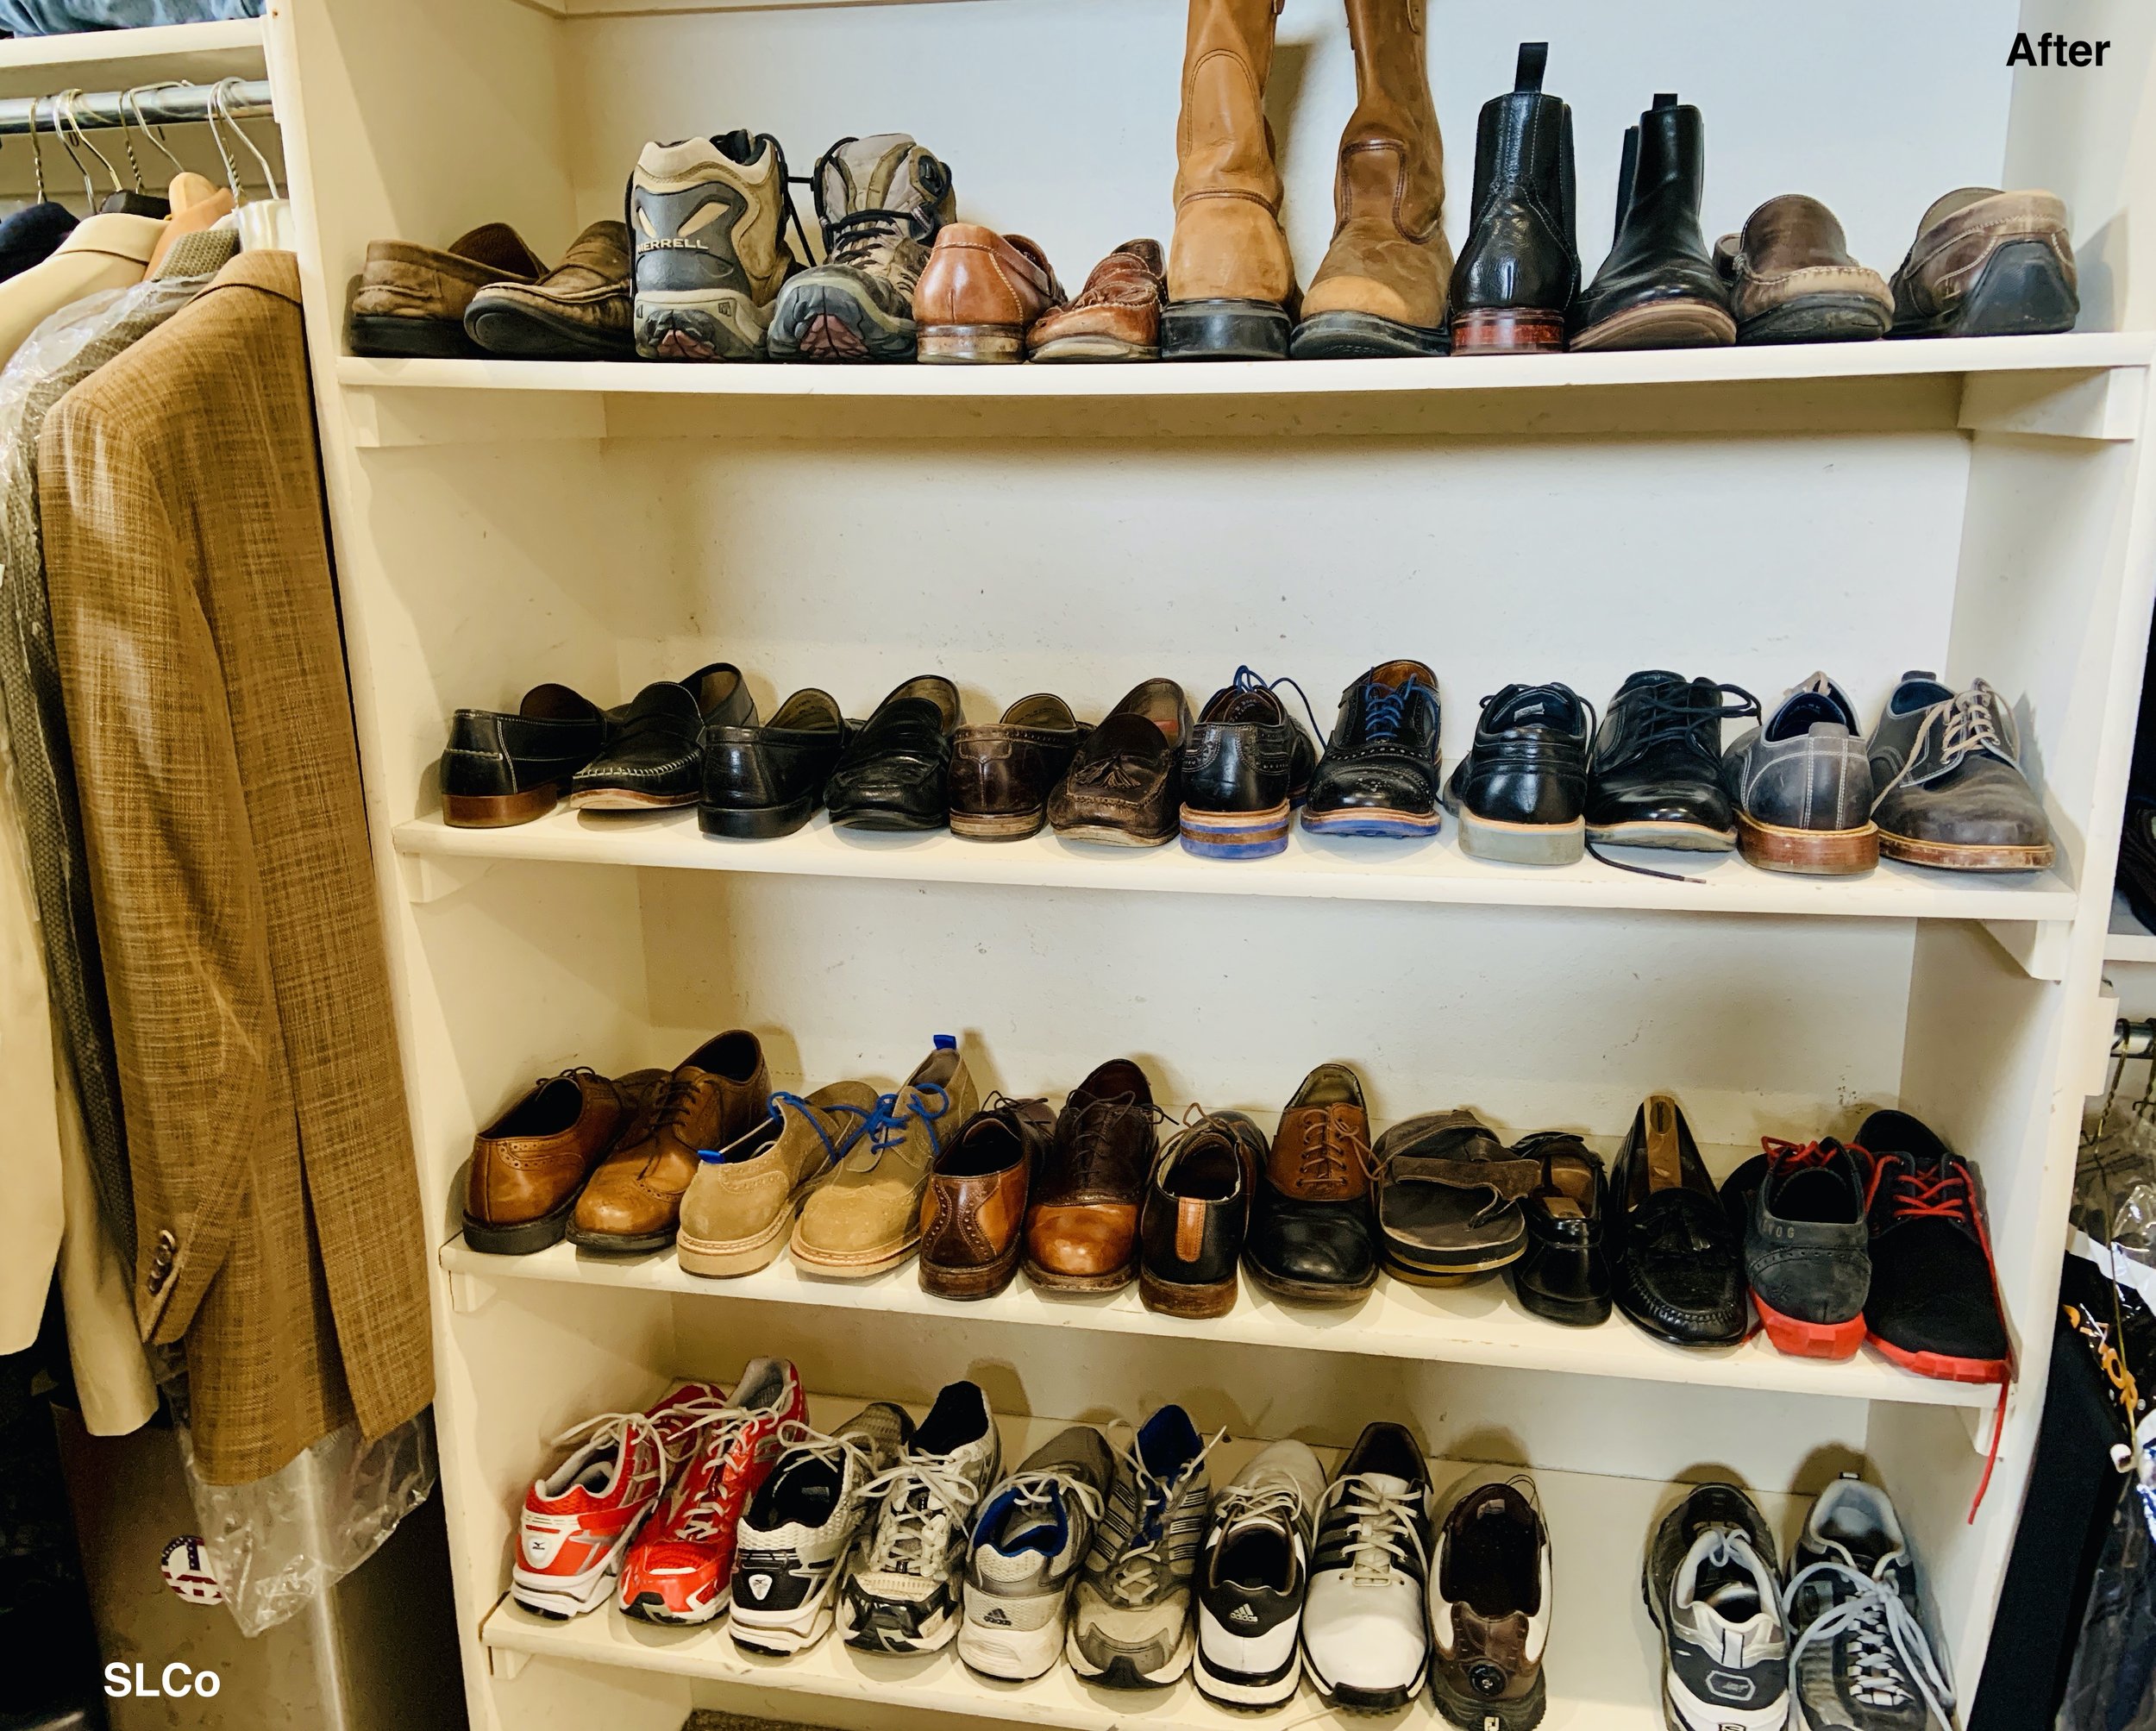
(133, 100)
(59, 101)
(138, 200)
(37, 159)
(267, 223)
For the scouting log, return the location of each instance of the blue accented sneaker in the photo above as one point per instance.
(1246, 767)
(1028, 1545)
(1379, 774)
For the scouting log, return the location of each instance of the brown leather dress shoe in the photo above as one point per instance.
(529, 1164)
(580, 310)
(979, 294)
(633, 1202)
(1001, 771)
(974, 1211)
(413, 299)
(1117, 314)
(1125, 786)
(1987, 263)
(1082, 1224)
(1791, 277)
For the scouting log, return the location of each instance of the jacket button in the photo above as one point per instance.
(161, 1261)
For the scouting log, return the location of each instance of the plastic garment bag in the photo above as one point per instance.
(2110, 1687)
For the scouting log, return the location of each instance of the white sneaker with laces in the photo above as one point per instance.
(1251, 1577)
(1027, 1547)
(1366, 1633)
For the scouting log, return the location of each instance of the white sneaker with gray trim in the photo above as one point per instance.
(1028, 1545)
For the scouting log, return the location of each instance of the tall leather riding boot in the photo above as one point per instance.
(1231, 280)
(1381, 291)
(1520, 266)
(1658, 288)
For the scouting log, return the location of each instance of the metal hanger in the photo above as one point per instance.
(267, 223)
(65, 122)
(139, 201)
(37, 159)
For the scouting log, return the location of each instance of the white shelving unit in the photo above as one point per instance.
(115, 59)
(1982, 508)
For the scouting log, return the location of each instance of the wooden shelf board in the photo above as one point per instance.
(1477, 1325)
(116, 59)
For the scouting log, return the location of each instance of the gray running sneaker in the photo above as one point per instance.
(706, 224)
(1862, 1659)
(901, 1593)
(880, 201)
(1711, 1588)
(1027, 1547)
(1129, 1626)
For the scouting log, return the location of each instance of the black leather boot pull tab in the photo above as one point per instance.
(1627, 171)
(1533, 57)
(1665, 101)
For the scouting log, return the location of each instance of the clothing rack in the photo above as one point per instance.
(2134, 1039)
(152, 105)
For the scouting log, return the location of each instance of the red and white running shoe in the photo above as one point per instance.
(680, 1569)
(579, 1518)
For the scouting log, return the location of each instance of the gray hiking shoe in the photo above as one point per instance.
(1026, 1549)
(880, 201)
(706, 221)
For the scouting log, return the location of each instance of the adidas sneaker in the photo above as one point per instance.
(1365, 1641)
(1027, 1547)
(1251, 1580)
(579, 1518)
(1129, 1624)
(798, 1527)
(902, 1588)
(1711, 1588)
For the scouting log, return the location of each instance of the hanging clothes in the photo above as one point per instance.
(195, 621)
(33, 235)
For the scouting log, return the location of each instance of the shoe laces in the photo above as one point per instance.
(1798, 1156)
(666, 1432)
(1384, 1538)
(869, 239)
(1089, 1141)
(1272, 1496)
(683, 1097)
(705, 1508)
(1889, 1660)
(1141, 1563)
(890, 1123)
(845, 1450)
(1332, 1150)
(1049, 1490)
(1970, 721)
(1385, 709)
(1247, 679)
(1675, 714)
(924, 1496)
(813, 1117)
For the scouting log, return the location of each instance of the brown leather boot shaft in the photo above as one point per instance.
(1229, 244)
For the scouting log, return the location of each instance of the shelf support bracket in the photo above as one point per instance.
(2065, 405)
(2040, 945)
(470, 1292)
(429, 877)
(504, 1663)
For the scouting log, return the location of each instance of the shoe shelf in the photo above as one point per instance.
(1602, 1670)
(116, 59)
(2127, 940)
(2086, 385)
(1477, 1325)
(442, 859)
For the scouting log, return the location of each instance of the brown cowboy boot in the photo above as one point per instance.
(1381, 291)
(1230, 282)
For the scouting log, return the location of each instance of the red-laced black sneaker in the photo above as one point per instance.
(1934, 1306)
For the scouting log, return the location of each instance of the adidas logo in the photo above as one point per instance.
(1242, 1614)
(760, 1587)
(998, 1618)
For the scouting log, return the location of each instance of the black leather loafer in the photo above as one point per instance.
(1521, 793)
(1564, 1274)
(654, 758)
(762, 781)
(1197, 1207)
(1678, 1263)
(893, 773)
(1448, 1200)
(1379, 773)
(1654, 777)
(1310, 1215)
(502, 769)
(1246, 769)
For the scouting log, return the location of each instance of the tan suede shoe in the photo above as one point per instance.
(741, 1204)
(867, 1216)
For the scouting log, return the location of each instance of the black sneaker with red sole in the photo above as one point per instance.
(1934, 1306)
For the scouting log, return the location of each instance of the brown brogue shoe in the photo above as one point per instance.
(529, 1164)
(1082, 1223)
(973, 1214)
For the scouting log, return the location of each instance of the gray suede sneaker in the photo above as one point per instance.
(1808, 1244)
(880, 200)
(1948, 787)
(1802, 785)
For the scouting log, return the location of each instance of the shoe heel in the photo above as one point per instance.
(500, 811)
(1198, 1302)
(1509, 331)
(997, 826)
(973, 345)
(1809, 853)
(2022, 291)
(1795, 1338)
(1235, 835)
(1224, 330)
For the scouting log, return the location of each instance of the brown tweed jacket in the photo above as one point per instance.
(195, 621)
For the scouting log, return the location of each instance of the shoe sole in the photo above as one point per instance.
(1540, 844)
(502, 811)
(537, 333)
(938, 1636)
(1309, 1292)
(969, 345)
(1006, 1655)
(1374, 820)
(1225, 331)
(1349, 1699)
(1001, 826)
(1959, 856)
(1473, 1713)
(1665, 324)
(1235, 835)
(1107, 834)
(831, 319)
(757, 823)
(1654, 1331)
(1452, 1274)
(1173, 1298)
(627, 799)
(1691, 839)
(774, 1641)
(1049, 1281)
(561, 1600)
(722, 1259)
(969, 1283)
(1573, 1313)
(1808, 853)
(385, 336)
(1094, 349)
(884, 817)
(689, 324)
(523, 1237)
(1939, 1366)
(1537, 331)
(650, 1608)
(1224, 1691)
(864, 1266)
(1795, 1338)
(621, 1243)
(1818, 318)
(1365, 336)
(2022, 291)
(1122, 1672)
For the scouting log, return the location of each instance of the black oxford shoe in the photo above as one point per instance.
(1654, 777)
(894, 773)
(1379, 773)
(1311, 1236)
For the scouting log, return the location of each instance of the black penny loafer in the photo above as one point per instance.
(654, 758)
(502, 769)
(1448, 1200)
(1654, 777)
(1678, 1263)
(762, 781)
(1379, 773)
(1310, 1216)
(1564, 1274)
(895, 773)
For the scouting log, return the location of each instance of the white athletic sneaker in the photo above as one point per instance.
(1710, 1585)
(1026, 1549)
(1251, 1576)
(1365, 1641)
(800, 1523)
